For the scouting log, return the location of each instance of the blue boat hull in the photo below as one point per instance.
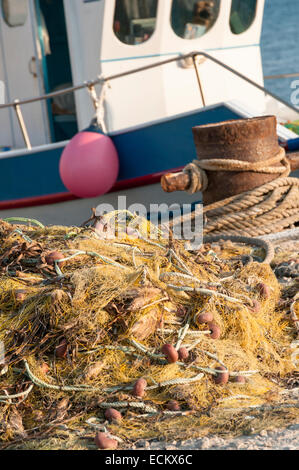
(33, 178)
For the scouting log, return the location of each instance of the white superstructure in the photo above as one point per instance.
(50, 44)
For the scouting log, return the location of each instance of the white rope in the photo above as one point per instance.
(264, 407)
(172, 253)
(244, 373)
(7, 398)
(179, 381)
(290, 234)
(99, 103)
(182, 335)
(127, 404)
(190, 332)
(203, 292)
(154, 303)
(236, 397)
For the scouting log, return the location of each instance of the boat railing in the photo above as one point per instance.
(281, 75)
(90, 85)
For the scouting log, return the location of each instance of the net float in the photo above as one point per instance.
(173, 406)
(215, 331)
(104, 442)
(54, 256)
(204, 317)
(264, 290)
(256, 306)
(113, 415)
(44, 368)
(170, 353)
(139, 388)
(222, 377)
(183, 354)
(61, 349)
(239, 379)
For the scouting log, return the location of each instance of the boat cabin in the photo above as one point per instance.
(49, 45)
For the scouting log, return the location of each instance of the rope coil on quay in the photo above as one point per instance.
(269, 208)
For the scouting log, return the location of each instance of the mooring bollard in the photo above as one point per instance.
(233, 157)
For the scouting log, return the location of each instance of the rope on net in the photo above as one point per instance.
(7, 398)
(129, 404)
(24, 220)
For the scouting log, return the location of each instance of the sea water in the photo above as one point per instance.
(280, 44)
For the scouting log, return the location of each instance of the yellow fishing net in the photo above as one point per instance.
(83, 318)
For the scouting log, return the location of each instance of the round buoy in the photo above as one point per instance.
(215, 331)
(54, 256)
(89, 164)
(61, 349)
(264, 290)
(256, 306)
(222, 376)
(204, 317)
(44, 368)
(173, 405)
(104, 442)
(239, 379)
(139, 388)
(113, 415)
(183, 354)
(170, 353)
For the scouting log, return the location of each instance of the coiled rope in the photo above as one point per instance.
(265, 244)
(267, 209)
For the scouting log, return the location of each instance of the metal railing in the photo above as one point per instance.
(100, 81)
(281, 75)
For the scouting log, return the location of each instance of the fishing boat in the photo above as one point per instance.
(143, 72)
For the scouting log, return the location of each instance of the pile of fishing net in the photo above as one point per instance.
(132, 329)
(293, 126)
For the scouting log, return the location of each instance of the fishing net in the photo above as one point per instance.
(293, 126)
(84, 317)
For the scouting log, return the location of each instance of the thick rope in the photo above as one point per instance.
(23, 220)
(266, 245)
(264, 166)
(7, 398)
(286, 235)
(199, 179)
(127, 404)
(267, 209)
(270, 208)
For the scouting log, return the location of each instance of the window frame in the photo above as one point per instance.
(124, 43)
(250, 25)
(199, 37)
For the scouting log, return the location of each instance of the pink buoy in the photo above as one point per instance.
(89, 164)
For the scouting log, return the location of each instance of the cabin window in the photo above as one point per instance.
(191, 19)
(242, 15)
(135, 20)
(15, 12)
